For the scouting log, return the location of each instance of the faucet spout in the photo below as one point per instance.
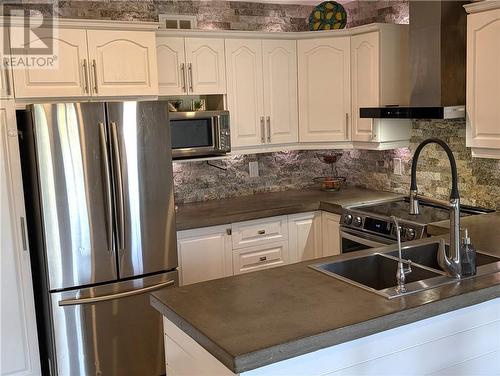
(452, 263)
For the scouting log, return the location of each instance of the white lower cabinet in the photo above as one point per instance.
(19, 343)
(330, 231)
(220, 251)
(204, 254)
(305, 239)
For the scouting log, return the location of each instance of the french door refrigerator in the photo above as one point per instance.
(98, 183)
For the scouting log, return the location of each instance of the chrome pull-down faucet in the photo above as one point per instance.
(452, 263)
(401, 272)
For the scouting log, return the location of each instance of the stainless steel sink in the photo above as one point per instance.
(377, 272)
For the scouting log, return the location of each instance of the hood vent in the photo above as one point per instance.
(437, 63)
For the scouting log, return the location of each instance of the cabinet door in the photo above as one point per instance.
(365, 82)
(19, 343)
(69, 77)
(204, 254)
(483, 82)
(331, 234)
(280, 90)
(6, 89)
(245, 91)
(324, 89)
(123, 63)
(305, 236)
(205, 66)
(171, 66)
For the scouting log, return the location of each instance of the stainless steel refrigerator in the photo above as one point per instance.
(99, 193)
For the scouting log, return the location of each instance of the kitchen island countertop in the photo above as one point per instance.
(255, 319)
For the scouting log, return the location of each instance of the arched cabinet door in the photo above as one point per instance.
(365, 82)
(171, 66)
(280, 90)
(123, 63)
(205, 66)
(324, 89)
(245, 91)
(66, 75)
(483, 83)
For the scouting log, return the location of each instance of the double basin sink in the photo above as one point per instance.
(377, 272)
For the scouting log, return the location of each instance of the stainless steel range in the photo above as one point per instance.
(369, 226)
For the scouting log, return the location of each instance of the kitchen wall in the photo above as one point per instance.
(195, 181)
(231, 15)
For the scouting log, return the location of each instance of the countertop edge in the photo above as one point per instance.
(270, 355)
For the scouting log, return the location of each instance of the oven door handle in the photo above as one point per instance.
(364, 239)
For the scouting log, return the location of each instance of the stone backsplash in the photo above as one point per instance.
(479, 179)
(218, 14)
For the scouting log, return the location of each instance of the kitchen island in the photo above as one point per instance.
(295, 320)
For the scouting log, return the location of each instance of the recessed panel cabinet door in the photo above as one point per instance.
(245, 91)
(6, 88)
(171, 66)
(483, 83)
(324, 89)
(18, 342)
(365, 82)
(280, 90)
(68, 77)
(123, 63)
(205, 66)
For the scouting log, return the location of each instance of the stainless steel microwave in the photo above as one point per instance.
(200, 133)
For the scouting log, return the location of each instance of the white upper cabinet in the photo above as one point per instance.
(280, 90)
(123, 63)
(380, 77)
(6, 88)
(69, 77)
(205, 66)
(365, 82)
(18, 342)
(324, 89)
(245, 91)
(171, 66)
(193, 66)
(483, 82)
(92, 63)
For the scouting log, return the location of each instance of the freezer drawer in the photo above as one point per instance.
(110, 329)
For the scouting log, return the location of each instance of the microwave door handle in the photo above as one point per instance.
(216, 132)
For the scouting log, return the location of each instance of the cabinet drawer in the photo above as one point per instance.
(261, 231)
(257, 258)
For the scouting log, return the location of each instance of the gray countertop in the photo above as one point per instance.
(251, 320)
(483, 230)
(244, 208)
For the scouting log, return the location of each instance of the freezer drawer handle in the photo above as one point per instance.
(121, 295)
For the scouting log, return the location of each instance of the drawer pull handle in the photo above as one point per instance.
(261, 232)
(263, 258)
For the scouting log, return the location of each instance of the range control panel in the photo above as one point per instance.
(381, 226)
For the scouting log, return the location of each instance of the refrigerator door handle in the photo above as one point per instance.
(107, 182)
(119, 186)
(103, 298)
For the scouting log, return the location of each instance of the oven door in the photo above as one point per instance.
(352, 240)
(195, 137)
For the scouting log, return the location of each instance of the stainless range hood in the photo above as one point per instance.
(437, 64)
